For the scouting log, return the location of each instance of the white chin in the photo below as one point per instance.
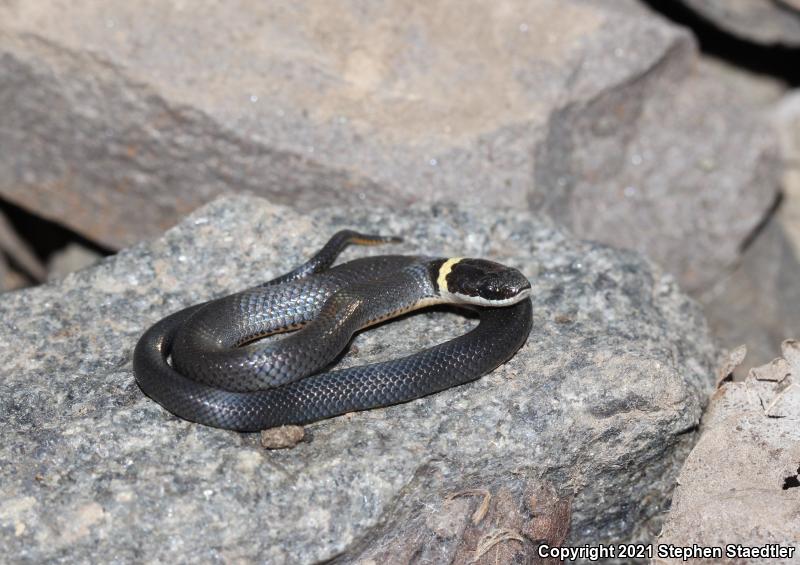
(478, 301)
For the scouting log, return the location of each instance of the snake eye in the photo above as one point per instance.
(503, 285)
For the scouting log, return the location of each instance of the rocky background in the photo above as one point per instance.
(674, 134)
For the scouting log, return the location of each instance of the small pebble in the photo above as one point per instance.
(282, 437)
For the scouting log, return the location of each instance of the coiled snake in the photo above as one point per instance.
(221, 376)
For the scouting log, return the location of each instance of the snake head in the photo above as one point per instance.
(481, 282)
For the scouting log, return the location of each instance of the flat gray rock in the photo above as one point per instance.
(117, 118)
(763, 288)
(579, 437)
(741, 483)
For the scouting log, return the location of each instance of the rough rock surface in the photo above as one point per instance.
(740, 484)
(759, 302)
(648, 167)
(121, 117)
(761, 21)
(579, 436)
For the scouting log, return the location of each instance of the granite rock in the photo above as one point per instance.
(579, 437)
(118, 118)
(647, 167)
(761, 21)
(740, 483)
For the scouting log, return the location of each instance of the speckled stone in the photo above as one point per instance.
(580, 435)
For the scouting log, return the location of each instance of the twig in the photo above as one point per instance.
(491, 539)
(480, 512)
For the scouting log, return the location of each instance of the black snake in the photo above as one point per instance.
(221, 376)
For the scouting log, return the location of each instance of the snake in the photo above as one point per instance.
(208, 363)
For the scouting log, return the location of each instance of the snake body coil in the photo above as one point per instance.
(220, 376)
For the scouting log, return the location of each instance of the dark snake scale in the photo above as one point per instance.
(221, 375)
